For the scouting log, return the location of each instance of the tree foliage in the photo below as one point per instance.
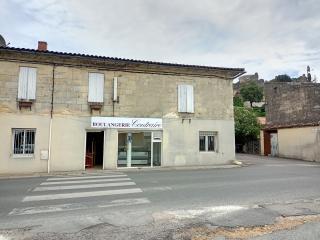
(251, 92)
(282, 78)
(246, 125)
(237, 101)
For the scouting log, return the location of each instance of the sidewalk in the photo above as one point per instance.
(116, 171)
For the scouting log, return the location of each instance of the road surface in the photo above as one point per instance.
(269, 198)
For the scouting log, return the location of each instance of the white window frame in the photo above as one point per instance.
(95, 95)
(23, 154)
(185, 98)
(27, 83)
(207, 134)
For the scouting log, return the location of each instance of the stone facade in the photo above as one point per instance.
(292, 103)
(71, 93)
(61, 113)
(293, 116)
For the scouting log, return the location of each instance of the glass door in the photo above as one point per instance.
(134, 149)
(156, 148)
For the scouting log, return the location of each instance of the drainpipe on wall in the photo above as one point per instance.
(51, 115)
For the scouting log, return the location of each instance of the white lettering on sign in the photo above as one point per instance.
(115, 122)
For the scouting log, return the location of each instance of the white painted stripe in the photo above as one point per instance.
(215, 211)
(155, 189)
(47, 209)
(86, 177)
(76, 206)
(99, 185)
(125, 202)
(86, 181)
(81, 194)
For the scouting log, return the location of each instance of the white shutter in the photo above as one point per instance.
(23, 83)
(92, 87)
(96, 86)
(32, 81)
(100, 87)
(182, 98)
(115, 89)
(190, 99)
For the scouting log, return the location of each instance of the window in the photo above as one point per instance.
(185, 99)
(96, 86)
(27, 83)
(207, 142)
(23, 141)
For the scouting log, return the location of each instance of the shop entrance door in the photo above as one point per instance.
(94, 149)
(139, 149)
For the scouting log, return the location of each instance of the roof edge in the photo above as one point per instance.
(240, 71)
(290, 125)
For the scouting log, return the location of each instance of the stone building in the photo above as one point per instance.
(64, 112)
(293, 120)
(247, 79)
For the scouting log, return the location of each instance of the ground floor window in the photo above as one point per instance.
(139, 149)
(23, 141)
(207, 141)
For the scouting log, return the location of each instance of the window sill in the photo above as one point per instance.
(24, 103)
(95, 106)
(18, 156)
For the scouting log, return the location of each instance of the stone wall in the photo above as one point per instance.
(292, 103)
(140, 94)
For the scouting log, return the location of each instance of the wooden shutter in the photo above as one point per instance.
(96, 86)
(182, 98)
(190, 99)
(23, 83)
(32, 81)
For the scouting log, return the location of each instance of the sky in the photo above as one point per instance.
(270, 37)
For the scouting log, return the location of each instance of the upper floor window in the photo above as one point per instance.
(96, 86)
(23, 141)
(27, 83)
(185, 99)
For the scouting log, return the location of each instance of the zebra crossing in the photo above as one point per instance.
(81, 187)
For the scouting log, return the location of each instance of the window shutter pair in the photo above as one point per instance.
(185, 99)
(96, 86)
(27, 83)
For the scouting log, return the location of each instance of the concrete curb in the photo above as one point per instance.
(117, 171)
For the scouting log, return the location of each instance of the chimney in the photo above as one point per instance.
(42, 46)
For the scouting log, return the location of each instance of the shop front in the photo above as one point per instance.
(139, 140)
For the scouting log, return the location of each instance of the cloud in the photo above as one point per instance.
(266, 36)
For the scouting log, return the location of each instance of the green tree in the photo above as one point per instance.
(282, 78)
(246, 125)
(237, 101)
(251, 92)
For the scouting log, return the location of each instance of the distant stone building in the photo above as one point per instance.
(293, 116)
(245, 79)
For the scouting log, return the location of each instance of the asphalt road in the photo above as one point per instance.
(269, 198)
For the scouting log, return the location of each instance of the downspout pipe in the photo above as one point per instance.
(51, 116)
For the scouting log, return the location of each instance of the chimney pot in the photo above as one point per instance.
(42, 46)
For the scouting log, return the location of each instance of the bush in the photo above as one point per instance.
(246, 125)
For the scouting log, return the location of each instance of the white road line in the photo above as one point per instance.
(86, 181)
(155, 189)
(99, 185)
(215, 211)
(47, 209)
(76, 206)
(81, 194)
(86, 177)
(125, 202)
